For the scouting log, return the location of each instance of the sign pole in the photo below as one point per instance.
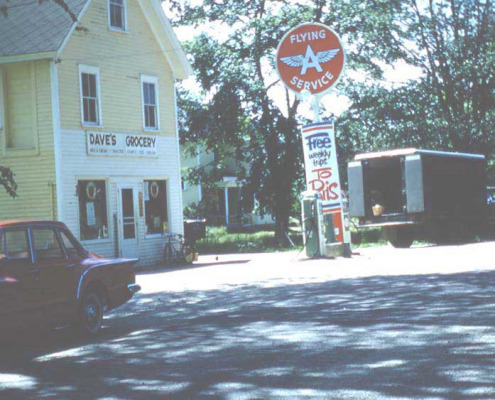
(315, 105)
(310, 61)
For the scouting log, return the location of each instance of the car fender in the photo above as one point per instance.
(97, 272)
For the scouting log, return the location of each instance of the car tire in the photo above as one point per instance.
(90, 316)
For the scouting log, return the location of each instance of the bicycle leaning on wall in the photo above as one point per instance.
(177, 251)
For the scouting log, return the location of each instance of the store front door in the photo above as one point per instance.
(128, 243)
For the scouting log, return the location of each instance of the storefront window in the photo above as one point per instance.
(155, 206)
(92, 210)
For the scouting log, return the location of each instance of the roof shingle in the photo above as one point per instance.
(30, 27)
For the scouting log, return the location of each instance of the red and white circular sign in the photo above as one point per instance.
(311, 58)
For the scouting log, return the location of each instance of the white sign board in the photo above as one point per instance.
(121, 144)
(322, 170)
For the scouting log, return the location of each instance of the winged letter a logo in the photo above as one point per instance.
(310, 60)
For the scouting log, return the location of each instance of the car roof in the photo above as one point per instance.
(23, 223)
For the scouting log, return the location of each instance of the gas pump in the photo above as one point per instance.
(313, 224)
(319, 231)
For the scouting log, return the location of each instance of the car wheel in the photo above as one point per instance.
(91, 313)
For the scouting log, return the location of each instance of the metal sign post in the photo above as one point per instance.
(310, 61)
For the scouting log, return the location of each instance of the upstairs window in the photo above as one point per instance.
(150, 102)
(117, 15)
(18, 118)
(90, 95)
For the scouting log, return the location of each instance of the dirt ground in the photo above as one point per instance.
(386, 324)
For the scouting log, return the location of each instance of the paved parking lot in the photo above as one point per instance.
(386, 324)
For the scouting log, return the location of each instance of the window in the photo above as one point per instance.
(2, 101)
(70, 246)
(18, 119)
(90, 95)
(17, 244)
(92, 209)
(117, 15)
(150, 102)
(46, 244)
(155, 206)
(2, 247)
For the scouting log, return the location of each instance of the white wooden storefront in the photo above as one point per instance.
(121, 173)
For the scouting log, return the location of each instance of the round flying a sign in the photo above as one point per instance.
(311, 58)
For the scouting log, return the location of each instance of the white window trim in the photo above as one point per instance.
(88, 69)
(154, 80)
(157, 235)
(114, 28)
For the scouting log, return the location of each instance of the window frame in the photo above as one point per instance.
(124, 19)
(107, 239)
(28, 236)
(92, 70)
(3, 128)
(31, 150)
(150, 79)
(57, 239)
(167, 199)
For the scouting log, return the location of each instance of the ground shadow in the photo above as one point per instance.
(382, 337)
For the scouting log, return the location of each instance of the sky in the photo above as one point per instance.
(334, 101)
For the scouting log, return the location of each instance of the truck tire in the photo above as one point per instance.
(401, 237)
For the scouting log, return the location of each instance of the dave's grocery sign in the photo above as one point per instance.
(310, 58)
(322, 170)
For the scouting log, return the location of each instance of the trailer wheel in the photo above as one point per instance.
(401, 237)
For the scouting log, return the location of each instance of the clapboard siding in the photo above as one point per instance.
(119, 170)
(34, 168)
(121, 59)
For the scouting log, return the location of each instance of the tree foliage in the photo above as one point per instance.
(448, 106)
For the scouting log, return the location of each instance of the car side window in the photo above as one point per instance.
(16, 244)
(46, 244)
(2, 247)
(70, 246)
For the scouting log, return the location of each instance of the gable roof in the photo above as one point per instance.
(32, 31)
(32, 28)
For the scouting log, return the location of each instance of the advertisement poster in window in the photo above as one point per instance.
(90, 213)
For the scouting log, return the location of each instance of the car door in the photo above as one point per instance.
(56, 272)
(20, 290)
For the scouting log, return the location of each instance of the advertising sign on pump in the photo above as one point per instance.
(322, 170)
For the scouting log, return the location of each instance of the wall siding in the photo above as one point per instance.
(34, 168)
(121, 59)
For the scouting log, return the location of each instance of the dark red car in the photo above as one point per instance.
(47, 277)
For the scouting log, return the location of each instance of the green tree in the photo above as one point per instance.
(240, 115)
(450, 105)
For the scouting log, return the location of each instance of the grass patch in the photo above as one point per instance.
(219, 241)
